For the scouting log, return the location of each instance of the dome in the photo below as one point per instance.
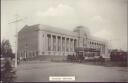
(82, 30)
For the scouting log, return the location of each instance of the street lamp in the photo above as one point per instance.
(16, 21)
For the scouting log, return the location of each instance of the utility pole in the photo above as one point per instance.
(15, 22)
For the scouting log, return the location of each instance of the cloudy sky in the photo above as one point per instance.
(105, 19)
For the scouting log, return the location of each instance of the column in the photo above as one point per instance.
(46, 43)
(69, 44)
(56, 43)
(77, 43)
(61, 43)
(51, 43)
(60, 52)
(73, 45)
(65, 44)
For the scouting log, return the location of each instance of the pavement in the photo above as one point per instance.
(39, 71)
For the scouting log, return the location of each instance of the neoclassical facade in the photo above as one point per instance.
(43, 40)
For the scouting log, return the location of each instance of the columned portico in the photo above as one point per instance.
(60, 45)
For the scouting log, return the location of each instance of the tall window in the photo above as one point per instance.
(59, 44)
(74, 43)
(36, 53)
(63, 44)
(71, 45)
(54, 43)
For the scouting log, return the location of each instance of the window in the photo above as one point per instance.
(54, 43)
(36, 53)
(63, 44)
(71, 46)
(92, 42)
(59, 44)
(75, 43)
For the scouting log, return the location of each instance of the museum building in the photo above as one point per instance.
(44, 40)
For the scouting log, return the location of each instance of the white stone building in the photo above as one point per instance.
(44, 40)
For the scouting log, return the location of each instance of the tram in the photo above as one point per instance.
(85, 54)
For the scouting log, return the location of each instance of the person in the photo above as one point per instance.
(18, 61)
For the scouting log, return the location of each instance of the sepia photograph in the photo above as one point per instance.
(64, 41)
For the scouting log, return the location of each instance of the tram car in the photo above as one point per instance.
(85, 54)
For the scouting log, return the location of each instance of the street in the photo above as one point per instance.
(39, 71)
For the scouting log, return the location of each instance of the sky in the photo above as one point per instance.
(106, 19)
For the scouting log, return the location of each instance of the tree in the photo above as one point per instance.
(6, 50)
(6, 53)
